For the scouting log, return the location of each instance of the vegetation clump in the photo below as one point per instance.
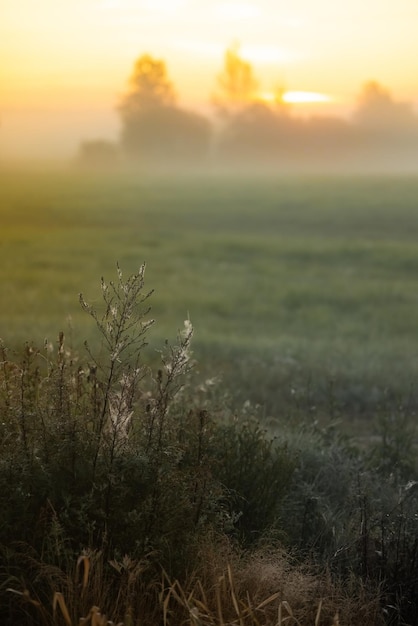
(129, 495)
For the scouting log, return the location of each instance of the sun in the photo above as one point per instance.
(305, 97)
(296, 97)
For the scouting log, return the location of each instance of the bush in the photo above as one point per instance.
(139, 490)
(257, 472)
(344, 512)
(109, 455)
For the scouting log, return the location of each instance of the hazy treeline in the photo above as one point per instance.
(247, 129)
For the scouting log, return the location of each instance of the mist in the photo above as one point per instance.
(256, 141)
(235, 132)
(51, 133)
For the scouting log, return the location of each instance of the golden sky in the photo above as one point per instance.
(64, 63)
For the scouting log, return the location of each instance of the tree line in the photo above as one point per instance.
(155, 128)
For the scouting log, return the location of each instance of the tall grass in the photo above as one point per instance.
(105, 453)
(294, 279)
(143, 495)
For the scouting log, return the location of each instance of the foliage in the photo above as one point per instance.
(382, 132)
(97, 153)
(150, 86)
(95, 447)
(305, 306)
(378, 111)
(106, 455)
(237, 82)
(108, 466)
(256, 132)
(257, 471)
(394, 455)
(153, 127)
(343, 512)
(227, 586)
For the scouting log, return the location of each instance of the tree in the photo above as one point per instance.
(237, 82)
(153, 126)
(252, 129)
(150, 87)
(254, 133)
(377, 110)
(97, 153)
(386, 129)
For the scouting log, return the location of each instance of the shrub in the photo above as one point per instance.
(256, 470)
(355, 519)
(135, 490)
(105, 455)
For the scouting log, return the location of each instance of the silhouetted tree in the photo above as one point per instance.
(237, 83)
(251, 128)
(150, 87)
(325, 141)
(256, 132)
(153, 126)
(97, 153)
(387, 130)
(377, 110)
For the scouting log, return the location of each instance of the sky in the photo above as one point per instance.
(64, 64)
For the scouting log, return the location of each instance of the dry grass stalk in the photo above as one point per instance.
(93, 618)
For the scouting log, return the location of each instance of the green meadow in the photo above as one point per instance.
(302, 290)
(275, 479)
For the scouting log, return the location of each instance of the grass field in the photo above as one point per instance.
(300, 290)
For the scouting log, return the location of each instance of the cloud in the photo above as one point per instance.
(202, 48)
(267, 54)
(257, 54)
(163, 6)
(237, 11)
(148, 6)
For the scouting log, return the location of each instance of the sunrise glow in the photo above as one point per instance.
(305, 97)
(65, 64)
(237, 10)
(294, 97)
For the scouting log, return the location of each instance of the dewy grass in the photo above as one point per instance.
(302, 300)
(238, 597)
(311, 275)
(182, 508)
(325, 261)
